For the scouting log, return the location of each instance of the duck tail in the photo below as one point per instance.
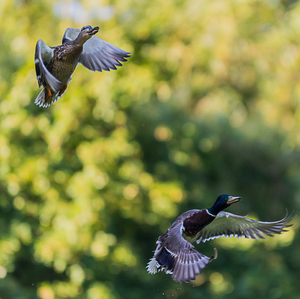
(163, 260)
(41, 99)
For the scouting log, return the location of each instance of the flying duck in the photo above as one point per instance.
(55, 65)
(176, 255)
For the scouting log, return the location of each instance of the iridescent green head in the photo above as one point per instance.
(222, 202)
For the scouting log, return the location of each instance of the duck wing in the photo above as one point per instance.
(97, 54)
(177, 256)
(70, 34)
(43, 55)
(228, 225)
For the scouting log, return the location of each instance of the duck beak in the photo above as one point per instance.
(232, 199)
(93, 31)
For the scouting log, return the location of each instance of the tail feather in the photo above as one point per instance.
(40, 100)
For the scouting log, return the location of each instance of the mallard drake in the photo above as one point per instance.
(176, 255)
(55, 65)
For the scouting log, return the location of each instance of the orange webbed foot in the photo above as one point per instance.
(63, 90)
(48, 94)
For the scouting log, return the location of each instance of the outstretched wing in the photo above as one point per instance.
(97, 54)
(228, 225)
(43, 55)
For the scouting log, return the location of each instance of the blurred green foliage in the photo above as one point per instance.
(207, 104)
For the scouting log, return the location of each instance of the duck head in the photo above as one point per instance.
(222, 202)
(86, 33)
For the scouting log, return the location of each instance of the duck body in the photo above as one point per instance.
(175, 253)
(65, 61)
(61, 66)
(55, 65)
(193, 222)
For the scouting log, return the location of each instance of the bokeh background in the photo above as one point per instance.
(208, 103)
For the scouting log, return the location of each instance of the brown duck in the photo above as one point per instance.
(55, 65)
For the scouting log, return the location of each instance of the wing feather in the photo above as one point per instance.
(70, 34)
(105, 55)
(177, 256)
(228, 225)
(43, 55)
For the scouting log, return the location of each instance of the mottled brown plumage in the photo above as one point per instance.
(55, 65)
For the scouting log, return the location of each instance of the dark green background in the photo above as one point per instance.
(207, 104)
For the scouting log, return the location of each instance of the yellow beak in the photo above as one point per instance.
(232, 199)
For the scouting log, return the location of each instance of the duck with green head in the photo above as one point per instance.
(176, 255)
(55, 65)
